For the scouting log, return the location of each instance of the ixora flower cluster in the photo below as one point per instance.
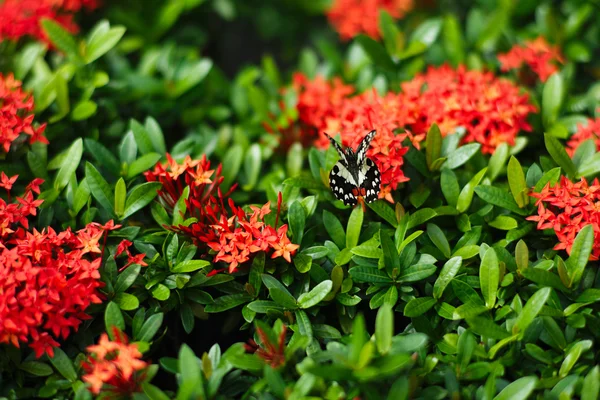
(587, 131)
(218, 223)
(566, 208)
(490, 109)
(48, 279)
(353, 17)
(16, 113)
(538, 55)
(114, 367)
(19, 18)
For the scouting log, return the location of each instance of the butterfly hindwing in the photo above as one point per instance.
(342, 184)
(371, 181)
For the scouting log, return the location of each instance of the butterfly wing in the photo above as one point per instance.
(370, 180)
(342, 184)
(363, 147)
(338, 148)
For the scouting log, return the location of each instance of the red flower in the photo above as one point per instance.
(352, 17)
(48, 279)
(16, 115)
(537, 54)
(20, 18)
(114, 367)
(272, 353)
(566, 208)
(6, 182)
(228, 230)
(585, 132)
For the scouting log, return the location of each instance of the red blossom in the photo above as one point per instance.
(16, 113)
(114, 367)
(352, 17)
(48, 279)
(541, 58)
(19, 18)
(219, 224)
(566, 208)
(272, 353)
(590, 130)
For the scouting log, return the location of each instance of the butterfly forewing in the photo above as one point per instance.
(363, 147)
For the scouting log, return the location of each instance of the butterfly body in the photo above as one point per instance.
(355, 175)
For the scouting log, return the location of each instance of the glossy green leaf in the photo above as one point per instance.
(314, 297)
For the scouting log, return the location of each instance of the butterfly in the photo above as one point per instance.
(355, 175)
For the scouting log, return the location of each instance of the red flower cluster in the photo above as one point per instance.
(115, 366)
(541, 58)
(585, 132)
(234, 234)
(566, 208)
(272, 353)
(48, 279)
(16, 116)
(20, 18)
(123, 247)
(352, 17)
(491, 110)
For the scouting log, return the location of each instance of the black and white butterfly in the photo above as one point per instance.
(355, 175)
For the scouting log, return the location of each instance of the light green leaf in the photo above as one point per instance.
(314, 297)
(531, 309)
(140, 197)
(384, 329)
(520, 389)
(69, 165)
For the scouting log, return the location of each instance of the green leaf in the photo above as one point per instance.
(120, 197)
(113, 317)
(142, 164)
(417, 272)
(450, 188)
(369, 274)
(334, 228)
(84, 110)
(102, 155)
(580, 254)
(390, 253)
(376, 52)
(531, 309)
(161, 292)
(63, 364)
(304, 326)
(150, 327)
(452, 40)
(446, 275)
(36, 368)
(433, 145)
(59, 36)
(385, 211)
(384, 329)
(499, 197)
(69, 165)
(142, 139)
(354, 226)
(516, 181)
(153, 392)
(591, 385)
(99, 188)
(559, 155)
(421, 216)
(189, 266)
(101, 42)
(297, 221)
(487, 328)
(189, 366)
(126, 301)
(140, 197)
(127, 277)
(418, 306)
(543, 278)
(391, 33)
(252, 165)
(489, 277)
(263, 306)
(551, 177)
(304, 182)
(461, 155)
(465, 348)
(314, 297)
(439, 239)
(227, 302)
(552, 98)
(520, 389)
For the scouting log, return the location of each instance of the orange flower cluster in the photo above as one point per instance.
(19, 18)
(114, 367)
(234, 234)
(541, 58)
(491, 110)
(16, 115)
(591, 130)
(353, 17)
(566, 208)
(48, 279)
